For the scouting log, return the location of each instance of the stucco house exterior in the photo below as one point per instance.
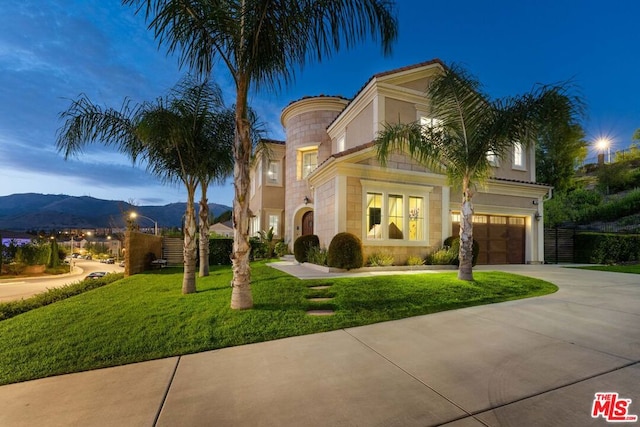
(325, 179)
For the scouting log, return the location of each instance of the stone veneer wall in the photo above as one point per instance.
(325, 208)
(306, 123)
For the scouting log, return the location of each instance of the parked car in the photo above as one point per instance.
(88, 257)
(121, 264)
(96, 275)
(110, 261)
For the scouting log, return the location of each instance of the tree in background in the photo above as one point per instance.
(467, 127)
(560, 144)
(262, 43)
(54, 257)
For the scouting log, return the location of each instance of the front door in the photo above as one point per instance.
(307, 223)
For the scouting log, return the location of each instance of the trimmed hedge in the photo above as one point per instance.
(302, 244)
(220, 251)
(606, 248)
(345, 251)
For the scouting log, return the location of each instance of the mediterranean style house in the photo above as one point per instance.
(325, 179)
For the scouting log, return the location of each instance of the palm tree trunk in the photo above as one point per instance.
(204, 231)
(241, 297)
(465, 255)
(189, 277)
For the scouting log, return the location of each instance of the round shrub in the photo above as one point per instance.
(454, 243)
(345, 251)
(302, 245)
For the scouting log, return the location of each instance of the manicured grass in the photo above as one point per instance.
(635, 269)
(146, 317)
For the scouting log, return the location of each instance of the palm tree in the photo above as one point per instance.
(170, 135)
(262, 43)
(217, 165)
(469, 127)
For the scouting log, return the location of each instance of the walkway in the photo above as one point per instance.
(533, 362)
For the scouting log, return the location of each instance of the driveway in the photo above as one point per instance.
(533, 362)
(16, 289)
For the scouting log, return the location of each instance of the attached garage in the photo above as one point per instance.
(501, 238)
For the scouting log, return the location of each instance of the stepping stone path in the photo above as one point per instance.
(319, 312)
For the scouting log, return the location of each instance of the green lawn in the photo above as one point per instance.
(635, 269)
(146, 317)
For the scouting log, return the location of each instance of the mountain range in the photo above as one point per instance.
(32, 211)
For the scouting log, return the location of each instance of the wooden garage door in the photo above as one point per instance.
(501, 238)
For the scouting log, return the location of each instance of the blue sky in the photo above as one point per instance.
(52, 51)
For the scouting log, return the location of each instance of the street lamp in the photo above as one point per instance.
(134, 215)
(604, 144)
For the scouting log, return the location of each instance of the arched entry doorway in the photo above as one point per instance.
(307, 223)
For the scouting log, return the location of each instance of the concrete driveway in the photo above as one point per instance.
(534, 362)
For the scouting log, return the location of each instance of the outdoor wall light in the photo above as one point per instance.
(537, 216)
(306, 200)
(535, 202)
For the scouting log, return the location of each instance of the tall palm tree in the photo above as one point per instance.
(217, 164)
(171, 135)
(469, 127)
(262, 43)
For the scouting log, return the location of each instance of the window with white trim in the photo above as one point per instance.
(374, 216)
(255, 226)
(492, 157)
(274, 221)
(274, 172)
(395, 213)
(416, 218)
(309, 162)
(396, 217)
(430, 122)
(518, 156)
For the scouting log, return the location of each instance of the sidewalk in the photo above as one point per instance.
(533, 362)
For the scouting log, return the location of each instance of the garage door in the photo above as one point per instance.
(501, 238)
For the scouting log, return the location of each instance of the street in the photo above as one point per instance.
(24, 287)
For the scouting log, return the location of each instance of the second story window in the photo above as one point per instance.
(273, 172)
(492, 158)
(309, 162)
(518, 156)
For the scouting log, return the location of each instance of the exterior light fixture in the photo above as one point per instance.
(306, 200)
(537, 216)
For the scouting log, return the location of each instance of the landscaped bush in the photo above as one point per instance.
(453, 242)
(345, 251)
(380, 259)
(259, 248)
(220, 251)
(13, 308)
(628, 204)
(317, 255)
(442, 256)
(33, 254)
(415, 260)
(606, 248)
(302, 245)
(281, 249)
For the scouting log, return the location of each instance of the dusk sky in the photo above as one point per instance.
(52, 51)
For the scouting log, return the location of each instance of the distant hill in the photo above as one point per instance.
(19, 212)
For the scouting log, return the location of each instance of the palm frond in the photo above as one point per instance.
(85, 123)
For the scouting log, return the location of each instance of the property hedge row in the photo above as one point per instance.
(220, 251)
(606, 248)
